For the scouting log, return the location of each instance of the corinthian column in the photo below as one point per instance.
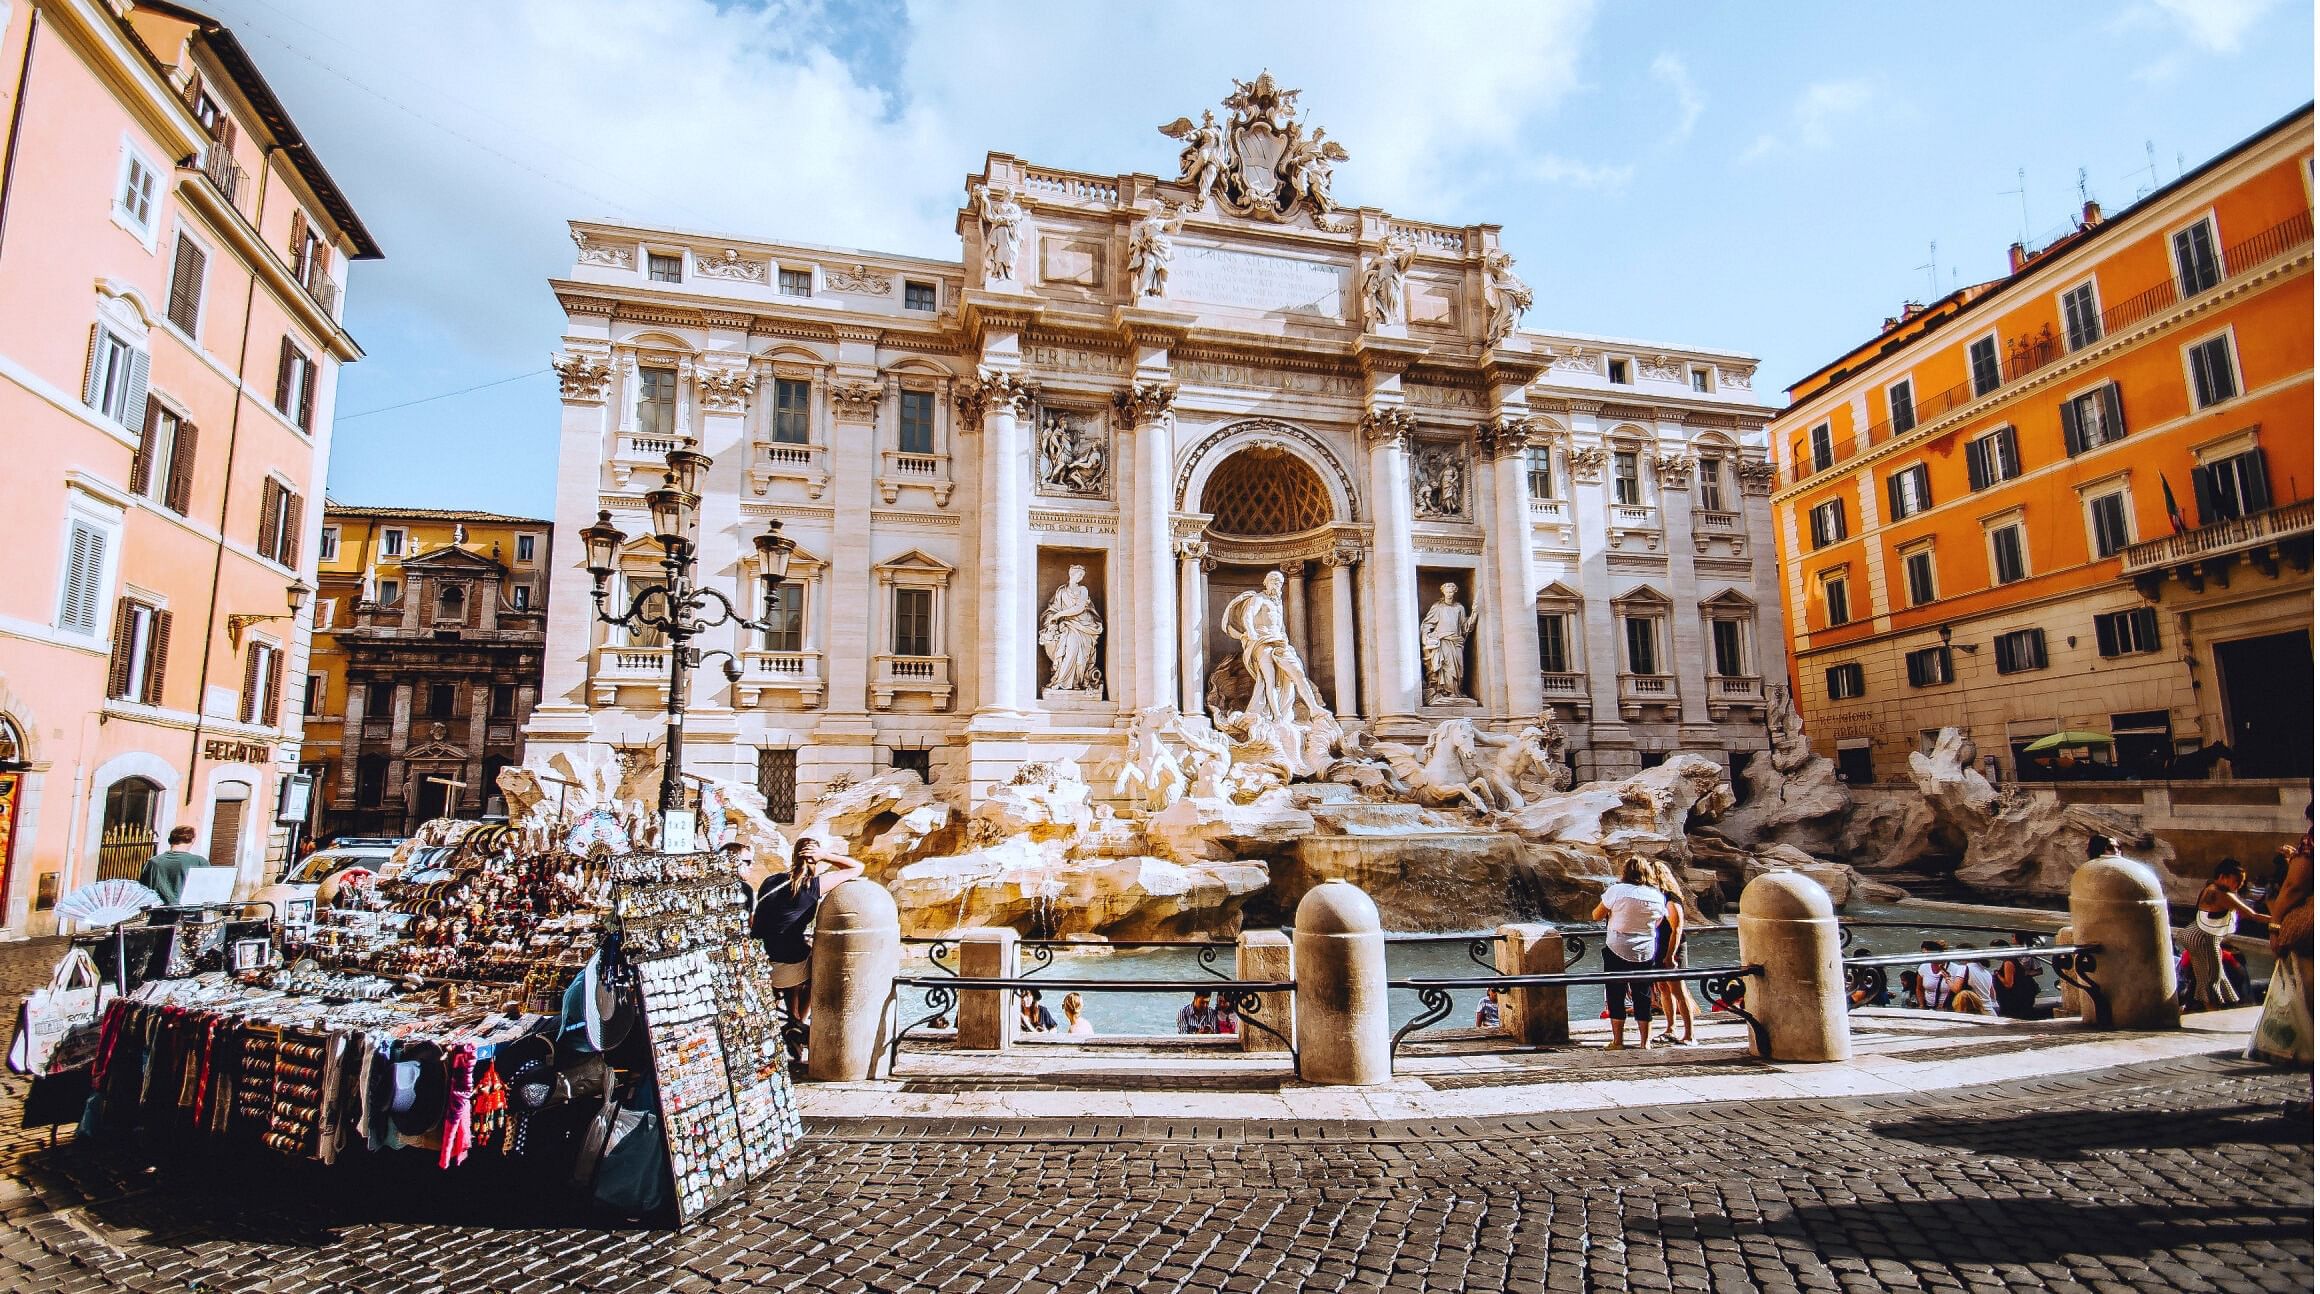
(1392, 592)
(1345, 662)
(1147, 409)
(1513, 598)
(998, 401)
(1192, 613)
(584, 377)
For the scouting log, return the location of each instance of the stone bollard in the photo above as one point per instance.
(1340, 955)
(1533, 1016)
(1788, 927)
(2118, 905)
(857, 953)
(986, 1017)
(1266, 955)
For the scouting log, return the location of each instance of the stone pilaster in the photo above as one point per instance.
(471, 799)
(350, 731)
(580, 454)
(1346, 653)
(1146, 408)
(1393, 596)
(999, 402)
(1192, 608)
(853, 450)
(1511, 611)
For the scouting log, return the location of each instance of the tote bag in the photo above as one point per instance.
(2283, 1033)
(74, 999)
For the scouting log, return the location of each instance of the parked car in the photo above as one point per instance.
(317, 876)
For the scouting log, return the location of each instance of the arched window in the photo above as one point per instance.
(130, 808)
(12, 749)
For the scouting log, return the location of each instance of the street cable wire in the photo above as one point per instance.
(430, 399)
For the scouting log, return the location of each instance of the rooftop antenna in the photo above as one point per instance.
(2151, 156)
(2082, 198)
(1932, 271)
(2021, 190)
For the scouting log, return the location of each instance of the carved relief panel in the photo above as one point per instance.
(1072, 457)
(1440, 482)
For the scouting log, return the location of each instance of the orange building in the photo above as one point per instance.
(172, 255)
(2077, 498)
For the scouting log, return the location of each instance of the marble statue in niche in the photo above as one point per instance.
(1384, 282)
(1438, 482)
(1507, 295)
(1072, 459)
(1443, 638)
(1151, 245)
(1004, 226)
(1284, 725)
(1070, 631)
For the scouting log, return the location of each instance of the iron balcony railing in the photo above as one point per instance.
(2218, 538)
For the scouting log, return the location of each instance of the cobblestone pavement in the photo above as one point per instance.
(2174, 1176)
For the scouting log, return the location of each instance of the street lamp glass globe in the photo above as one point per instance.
(773, 550)
(671, 507)
(297, 594)
(602, 540)
(687, 466)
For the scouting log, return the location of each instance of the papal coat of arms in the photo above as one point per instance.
(1260, 163)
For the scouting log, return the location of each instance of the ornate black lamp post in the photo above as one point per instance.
(682, 609)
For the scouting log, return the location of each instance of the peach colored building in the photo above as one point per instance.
(172, 256)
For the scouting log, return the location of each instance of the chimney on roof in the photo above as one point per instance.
(1911, 309)
(2017, 256)
(2090, 215)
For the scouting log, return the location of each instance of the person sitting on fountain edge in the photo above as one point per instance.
(1199, 1017)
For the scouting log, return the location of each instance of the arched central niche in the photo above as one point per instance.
(1265, 490)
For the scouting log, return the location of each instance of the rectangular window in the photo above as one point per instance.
(2231, 487)
(797, 283)
(520, 597)
(656, 401)
(317, 692)
(441, 697)
(2008, 562)
(2212, 378)
(379, 700)
(133, 201)
(185, 282)
(163, 467)
(792, 405)
(281, 519)
(1836, 598)
(1982, 360)
(1846, 681)
(1929, 667)
(262, 685)
(1618, 370)
(920, 762)
(1992, 459)
(527, 548)
(2081, 320)
(777, 782)
(295, 378)
(1828, 523)
(1642, 645)
(503, 700)
(2197, 268)
(914, 622)
(1917, 570)
(1908, 492)
(917, 422)
(140, 640)
(1711, 484)
(390, 545)
(83, 578)
(2106, 517)
(1824, 448)
(1901, 406)
(662, 268)
(787, 616)
(390, 591)
(2020, 651)
(327, 550)
(1700, 380)
(1627, 478)
(1727, 636)
(918, 296)
(1554, 644)
(116, 379)
(1539, 469)
(2125, 633)
(2093, 419)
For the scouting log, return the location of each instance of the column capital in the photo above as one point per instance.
(1587, 464)
(1294, 569)
(1145, 402)
(723, 390)
(1344, 555)
(990, 389)
(583, 378)
(1388, 425)
(1755, 474)
(855, 401)
(1508, 436)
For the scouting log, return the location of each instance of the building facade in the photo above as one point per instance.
(1027, 483)
(428, 631)
(172, 256)
(2076, 498)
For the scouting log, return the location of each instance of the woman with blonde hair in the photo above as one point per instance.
(1074, 1022)
(1674, 997)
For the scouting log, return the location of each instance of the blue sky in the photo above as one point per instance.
(1760, 177)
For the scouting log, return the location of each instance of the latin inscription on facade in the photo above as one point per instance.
(1257, 281)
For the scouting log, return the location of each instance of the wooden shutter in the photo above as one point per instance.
(133, 408)
(226, 133)
(141, 466)
(293, 514)
(1893, 497)
(2203, 495)
(225, 832)
(282, 377)
(1924, 483)
(269, 518)
(179, 496)
(124, 637)
(250, 684)
(306, 385)
(156, 657)
(298, 244)
(2259, 482)
(2114, 417)
(2106, 636)
(89, 391)
(273, 711)
(185, 285)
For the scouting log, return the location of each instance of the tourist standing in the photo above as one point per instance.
(783, 920)
(164, 872)
(1631, 911)
(2283, 1032)
(1672, 996)
(1198, 1017)
(2215, 920)
(1075, 1021)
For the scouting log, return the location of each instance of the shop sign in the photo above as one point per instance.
(237, 752)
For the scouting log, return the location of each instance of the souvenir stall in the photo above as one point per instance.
(600, 1016)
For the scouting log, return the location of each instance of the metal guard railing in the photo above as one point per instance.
(1207, 952)
(1722, 984)
(2073, 965)
(942, 996)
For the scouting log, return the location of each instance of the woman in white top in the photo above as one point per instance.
(1075, 1023)
(2220, 908)
(1631, 912)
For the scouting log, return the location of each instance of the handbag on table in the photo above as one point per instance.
(57, 1026)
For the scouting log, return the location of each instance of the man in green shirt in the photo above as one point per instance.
(164, 873)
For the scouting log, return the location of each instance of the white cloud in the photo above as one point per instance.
(1579, 175)
(1815, 118)
(2216, 26)
(1669, 70)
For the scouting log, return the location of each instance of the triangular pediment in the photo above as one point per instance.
(1643, 593)
(915, 560)
(435, 750)
(451, 558)
(1732, 599)
(1559, 593)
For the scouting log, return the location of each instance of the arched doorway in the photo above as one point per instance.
(132, 806)
(1271, 511)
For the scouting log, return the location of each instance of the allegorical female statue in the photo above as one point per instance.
(1443, 637)
(1069, 632)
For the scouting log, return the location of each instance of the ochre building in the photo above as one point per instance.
(429, 625)
(172, 263)
(2075, 499)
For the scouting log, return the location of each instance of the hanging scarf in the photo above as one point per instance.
(458, 1107)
